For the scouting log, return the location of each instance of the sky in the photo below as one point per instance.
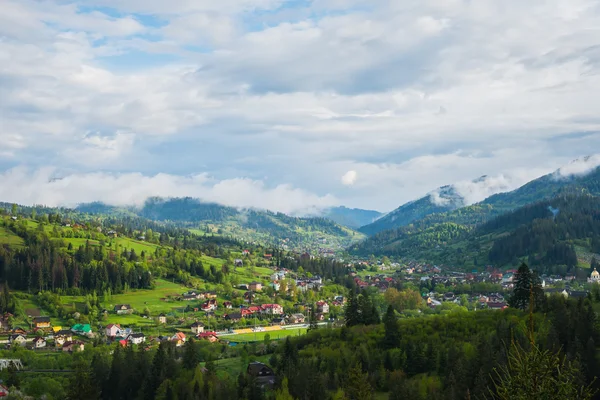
(291, 105)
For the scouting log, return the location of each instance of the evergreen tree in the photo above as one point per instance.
(526, 282)
(190, 355)
(392, 328)
(351, 313)
(81, 385)
(313, 323)
(357, 385)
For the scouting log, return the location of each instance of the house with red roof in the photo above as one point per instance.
(210, 336)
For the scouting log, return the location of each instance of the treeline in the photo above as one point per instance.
(545, 238)
(44, 265)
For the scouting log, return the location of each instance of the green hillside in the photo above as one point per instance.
(251, 226)
(424, 212)
(532, 233)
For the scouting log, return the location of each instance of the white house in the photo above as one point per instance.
(197, 327)
(39, 342)
(136, 338)
(112, 330)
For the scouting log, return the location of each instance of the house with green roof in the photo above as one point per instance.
(82, 329)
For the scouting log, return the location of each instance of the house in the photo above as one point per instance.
(162, 319)
(72, 347)
(209, 295)
(178, 339)
(271, 309)
(197, 327)
(255, 286)
(322, 307)
(578, 294)
(496, 306)
(41, 322)
(4, 391)
(238, 262)
(17, 339)
(233, 317)
(209, 305)
(297, 318)
(210, 336)
(123, 309)
(275, 285)
(82, 329)
(278, 321)
(136, 338)
(18, 330)
(245, 252)
(62, 336)
(227, 304)
(268, 256)
(112, 330)
(262, 374)
(39, 342)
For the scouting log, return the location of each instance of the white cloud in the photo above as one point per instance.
(45, 186)
(578, 167)
(410, 95)
(349, 178)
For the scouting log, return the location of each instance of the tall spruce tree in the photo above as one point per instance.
(392, 328)
(526, 282)
(351, 313)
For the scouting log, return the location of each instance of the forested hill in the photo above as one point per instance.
(414, 210)
(351, 217)
(248, 225)
(557, 234)
(426, 212)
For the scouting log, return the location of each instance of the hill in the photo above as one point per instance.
(555, 235)
(581, 176)
(249, 225)
(351, 217)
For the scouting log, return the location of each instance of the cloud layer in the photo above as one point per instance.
(43, 187)
(408, 95)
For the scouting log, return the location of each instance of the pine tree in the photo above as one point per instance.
(351, 313)
(526, 282)
(81, 385)
(357, 385)
(190, 355)
(392, 328)
(313, 323)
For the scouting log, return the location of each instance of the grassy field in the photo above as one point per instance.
(233, 366)
(260, 336)
(7, 237)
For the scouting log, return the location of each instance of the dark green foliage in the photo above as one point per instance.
(360, 310)
(527, 285)
(392, 329)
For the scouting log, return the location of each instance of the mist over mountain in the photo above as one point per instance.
(580, 175)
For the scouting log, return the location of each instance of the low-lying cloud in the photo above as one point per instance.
(579, 167)
(42, 186)
(471, 192)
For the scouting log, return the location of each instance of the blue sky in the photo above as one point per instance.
(291, 105)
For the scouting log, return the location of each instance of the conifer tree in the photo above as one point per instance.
(392, 328)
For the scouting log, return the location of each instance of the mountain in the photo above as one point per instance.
(443, 199)
(580, 176)
(552, 235)
(251, 225)
(351, 217)
(447, 226)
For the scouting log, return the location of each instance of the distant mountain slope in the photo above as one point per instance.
(443, 199)
(414, 210)
(581, 176)
(248, 225)
(559, 183)
(351, 217)
(554, 235)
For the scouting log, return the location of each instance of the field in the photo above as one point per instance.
(7, 237)
(139, 300)
(260, 336)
